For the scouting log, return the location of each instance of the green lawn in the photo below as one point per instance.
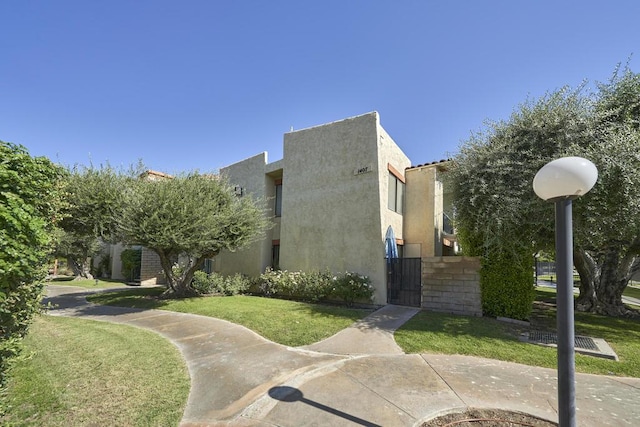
(286, 322)
(430, 332)
(86, 283)
(632, 291)
(84, 373)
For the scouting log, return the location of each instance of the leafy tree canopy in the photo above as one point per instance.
(186, 218)
(94, 198)
(497, 210)
(192, 216)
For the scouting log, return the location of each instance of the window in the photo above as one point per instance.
(396, 193)
(278, 203)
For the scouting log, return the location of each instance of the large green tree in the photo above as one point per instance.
(187, 219)
(497, 211)
(608, 243)
(30, 202)
(95, 198)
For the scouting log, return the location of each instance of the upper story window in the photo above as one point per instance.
(278, 202)
(396, 191)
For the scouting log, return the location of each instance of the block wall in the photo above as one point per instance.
(150, 268)
(451, 284)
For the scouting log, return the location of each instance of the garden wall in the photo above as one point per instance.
(451, 284)
(150, 268)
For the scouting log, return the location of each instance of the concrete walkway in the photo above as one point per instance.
(357, 377)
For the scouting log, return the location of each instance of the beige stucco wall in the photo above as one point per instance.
(116, 263)
(250, 260)
(424, 207)
(334, 210)
(335, 186)
(389, 154)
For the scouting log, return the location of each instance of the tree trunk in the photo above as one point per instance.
(180, 281)
(616, 272)
(80, 268)
(167, 267)
(589, 273)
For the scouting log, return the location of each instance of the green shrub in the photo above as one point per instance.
(103, 268)
(506, 284)
(352, 287)
(131, 259)
(298, 285)
(201, 283)
(30, 197)
(270, 282)
(315, 286)
(17, 309)
(235, 285)
(214, 283)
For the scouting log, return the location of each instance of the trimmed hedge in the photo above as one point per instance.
(506, 283)
(30, 198)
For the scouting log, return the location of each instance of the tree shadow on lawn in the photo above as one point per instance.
(614, 329)
(459, 326)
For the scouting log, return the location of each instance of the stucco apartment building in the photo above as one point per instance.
(334, 197)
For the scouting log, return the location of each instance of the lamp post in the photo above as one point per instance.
(560, 181)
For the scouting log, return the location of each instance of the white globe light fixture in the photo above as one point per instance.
(561, 181)
(567, 177)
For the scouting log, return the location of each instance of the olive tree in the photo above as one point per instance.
(497, 211)
(608, 243)
(188, 218)
(95, 197)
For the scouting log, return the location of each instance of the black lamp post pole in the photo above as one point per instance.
(565, 315)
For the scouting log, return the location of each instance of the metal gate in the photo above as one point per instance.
(404, 284)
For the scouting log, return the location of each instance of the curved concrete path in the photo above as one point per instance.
(357, 377)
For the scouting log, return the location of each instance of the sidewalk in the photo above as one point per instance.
(240, 379)
(625, 299)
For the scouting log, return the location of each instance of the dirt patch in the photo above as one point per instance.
(488, 418)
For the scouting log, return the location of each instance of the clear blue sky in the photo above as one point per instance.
(189, 84)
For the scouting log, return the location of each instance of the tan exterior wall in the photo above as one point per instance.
(424, 208)
(249, 174)
(334, 210)
(390, 155)
(116, 262)
(335, 191)
(451, 284)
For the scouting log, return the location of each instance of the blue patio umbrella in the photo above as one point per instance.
(391, 247)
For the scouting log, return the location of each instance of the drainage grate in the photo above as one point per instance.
(551, 338)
